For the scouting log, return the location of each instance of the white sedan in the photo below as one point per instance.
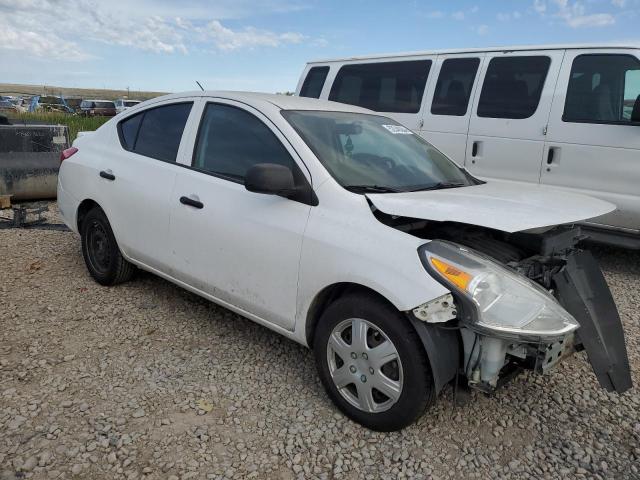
(342, 230)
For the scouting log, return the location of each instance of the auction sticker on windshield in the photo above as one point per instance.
(398, 129)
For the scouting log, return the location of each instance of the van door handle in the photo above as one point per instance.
(191, 202)
(474, 149)
(107, 174)
(550, 155)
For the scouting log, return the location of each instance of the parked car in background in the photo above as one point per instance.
(97, 108)
(562, 116)
(123, 103)
(341, 229)
(49, 103)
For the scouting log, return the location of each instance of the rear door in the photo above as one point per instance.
(593, 143)
(510, 114)
(138, 177)
(447, 105)
(395, 88)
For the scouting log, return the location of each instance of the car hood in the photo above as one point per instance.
(498, 205)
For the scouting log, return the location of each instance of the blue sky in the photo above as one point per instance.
(166, 45)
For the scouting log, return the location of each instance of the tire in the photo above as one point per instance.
(408, 383)
(101, 252)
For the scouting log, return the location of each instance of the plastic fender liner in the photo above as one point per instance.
(443, 350)
(583, 291)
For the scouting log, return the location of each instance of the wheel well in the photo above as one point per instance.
(85, 207)
(327, 296)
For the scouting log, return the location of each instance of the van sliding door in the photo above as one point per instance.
(510, 115)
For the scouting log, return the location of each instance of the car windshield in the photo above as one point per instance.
(371, 153)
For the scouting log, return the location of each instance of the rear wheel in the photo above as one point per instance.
(372, 363)
(101, 252)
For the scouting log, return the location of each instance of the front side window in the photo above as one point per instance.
(454, 86)
(383, 87)
(513, 86)
(603, 89)
(156, 132)
(374, 153)
(313, 83)
(232, 140)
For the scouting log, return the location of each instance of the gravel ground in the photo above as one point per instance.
(146, 380)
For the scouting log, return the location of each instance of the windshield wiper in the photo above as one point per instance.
(436, 186)
(371, 189)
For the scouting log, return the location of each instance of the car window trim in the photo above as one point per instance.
(144, 113)
(596, 122)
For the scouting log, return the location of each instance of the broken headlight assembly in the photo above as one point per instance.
(496, 300)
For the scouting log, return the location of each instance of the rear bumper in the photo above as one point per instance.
(68, 207)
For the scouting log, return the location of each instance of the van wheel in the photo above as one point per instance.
(372, 363)
(101, 252)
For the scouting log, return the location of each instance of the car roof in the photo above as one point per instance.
(505, 49)
(283, 102)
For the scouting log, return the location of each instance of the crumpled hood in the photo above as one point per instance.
(509, 207)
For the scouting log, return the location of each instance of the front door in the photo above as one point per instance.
(240, 247)
(593, 144)
(510, 114)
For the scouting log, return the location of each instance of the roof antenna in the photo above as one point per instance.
(200, 85)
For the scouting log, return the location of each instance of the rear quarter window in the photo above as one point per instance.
(313, 83)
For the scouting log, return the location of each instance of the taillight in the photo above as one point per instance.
(69, 152)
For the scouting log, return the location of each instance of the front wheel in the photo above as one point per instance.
(372, 363)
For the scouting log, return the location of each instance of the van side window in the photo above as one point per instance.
(513, 86)
(453, 89)
(312, 86)
(603, 89)
(395, 87)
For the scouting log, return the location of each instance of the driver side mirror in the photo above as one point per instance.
(270, 179)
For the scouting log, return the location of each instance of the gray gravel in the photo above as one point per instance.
(146, 380)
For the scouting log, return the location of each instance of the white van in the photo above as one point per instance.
(563, 116)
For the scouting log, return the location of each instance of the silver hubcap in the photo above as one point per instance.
(364, 365)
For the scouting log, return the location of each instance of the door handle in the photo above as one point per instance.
(107, 174)
(191, 202)
(550, 155)
(474, 151)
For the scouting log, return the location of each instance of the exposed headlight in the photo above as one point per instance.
(503, 301)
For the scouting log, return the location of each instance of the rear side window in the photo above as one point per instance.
(104, 105)
(603, 89)
(384, 87)
(313, 83)
(232, 140)
(453, 89)
(156, 132)
(129, 131)
(512, 87)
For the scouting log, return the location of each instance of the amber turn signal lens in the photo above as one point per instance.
(454, 275)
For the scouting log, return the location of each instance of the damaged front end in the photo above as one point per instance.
(525, 302)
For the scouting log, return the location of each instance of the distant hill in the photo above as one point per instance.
(20, 89)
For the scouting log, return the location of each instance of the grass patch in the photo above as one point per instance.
(74, 123)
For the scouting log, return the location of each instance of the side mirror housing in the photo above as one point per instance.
(270, 179)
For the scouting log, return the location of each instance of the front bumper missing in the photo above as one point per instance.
(582, 290)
